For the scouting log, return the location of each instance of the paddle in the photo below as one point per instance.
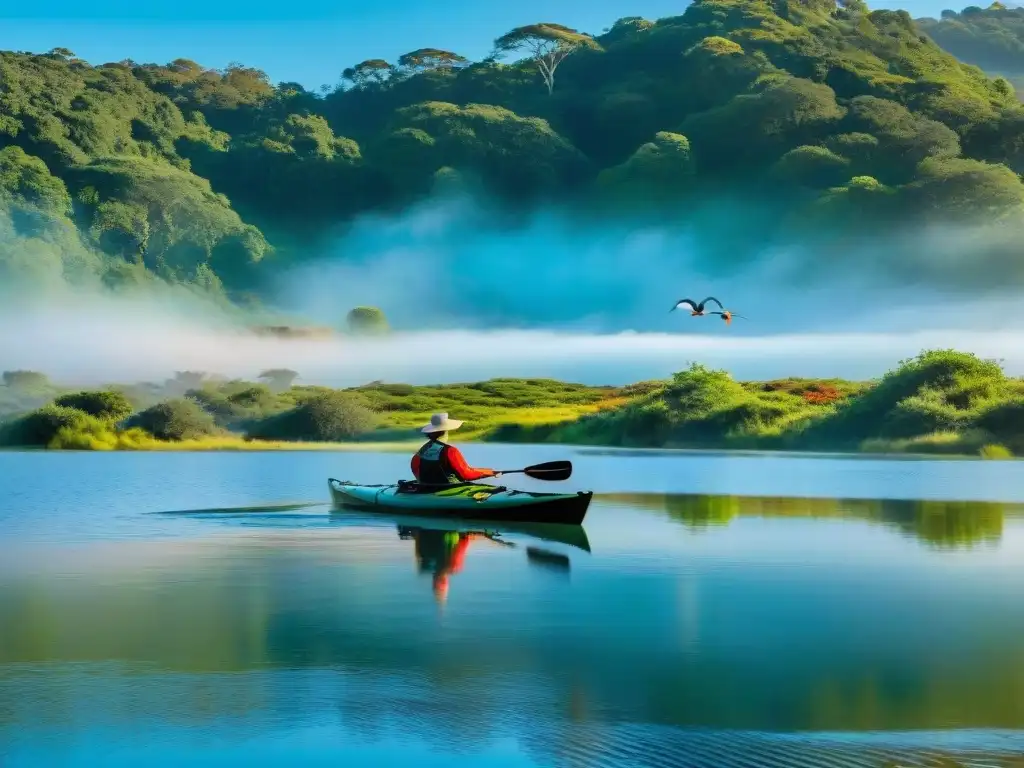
(536, 555)
(551, 470)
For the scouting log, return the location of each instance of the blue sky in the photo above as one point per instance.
(309, 42)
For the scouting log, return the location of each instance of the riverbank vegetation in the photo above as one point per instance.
(833, 121)
(941, 402)
(938, 524)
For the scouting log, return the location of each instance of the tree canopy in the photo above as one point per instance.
(178, 172)
(992, 39)
(546, 44)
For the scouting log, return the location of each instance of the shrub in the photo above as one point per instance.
(107, 405)
(175, 420)
(1005, 422)
(218, 405)
(257, 397)
(322, 417)
(100, 436)
(367, 320)
(821, 394)
(995, 451)
(936, 391)
(39, 428)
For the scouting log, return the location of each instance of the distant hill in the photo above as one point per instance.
(840, 119)
(991, 38)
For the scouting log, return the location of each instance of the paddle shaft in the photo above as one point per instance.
(552, 470)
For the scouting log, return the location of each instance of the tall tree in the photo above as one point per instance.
(424, 59)
(547, 44)
(369, 73)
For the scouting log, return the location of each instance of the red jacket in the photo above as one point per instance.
(438, 463)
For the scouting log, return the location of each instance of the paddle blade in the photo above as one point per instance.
(552, 470)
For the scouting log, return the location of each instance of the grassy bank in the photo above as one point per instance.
(942, 402)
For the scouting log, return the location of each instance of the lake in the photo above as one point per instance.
(718, 610)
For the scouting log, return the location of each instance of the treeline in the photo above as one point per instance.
(838, 119)
(940, 402)
(209, 411)
(991, 38)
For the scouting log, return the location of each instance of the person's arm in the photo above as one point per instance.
(462, 470)
(415, 466)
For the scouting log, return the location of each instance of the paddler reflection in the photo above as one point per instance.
(443, 552)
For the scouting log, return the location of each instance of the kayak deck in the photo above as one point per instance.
(469, 501)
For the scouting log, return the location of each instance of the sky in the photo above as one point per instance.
(308, 42)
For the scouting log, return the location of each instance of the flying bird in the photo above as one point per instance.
(697, 309)
(727, 315)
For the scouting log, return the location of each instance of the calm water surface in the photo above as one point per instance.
(210, 609)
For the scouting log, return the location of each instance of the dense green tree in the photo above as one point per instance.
(326, 417)
(39, 428)
(813, 166)
(26, 179)
(999, 140)
(516, 156)
(370, 73)
(953, 188)
(168, 219)
(901, 139)
(789, 112)
(366, 320)
(660, 168)
(426, 59)
(108, 405)
(175, 420)
(547, 45)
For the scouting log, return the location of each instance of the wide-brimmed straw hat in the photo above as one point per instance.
(440, 422)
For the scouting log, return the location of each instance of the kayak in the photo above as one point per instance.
(468, 501)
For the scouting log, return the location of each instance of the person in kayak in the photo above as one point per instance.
(437, 462)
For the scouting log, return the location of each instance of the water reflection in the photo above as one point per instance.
(703, 651)
(938, 524)
(442, 553)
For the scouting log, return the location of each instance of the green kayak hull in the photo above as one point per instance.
(465, 501)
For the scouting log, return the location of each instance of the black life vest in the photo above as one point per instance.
(434, 466)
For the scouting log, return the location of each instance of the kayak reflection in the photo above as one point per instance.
(442, 552)
(441, 544)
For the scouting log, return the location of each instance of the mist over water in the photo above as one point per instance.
(473, 295)
(451, 263)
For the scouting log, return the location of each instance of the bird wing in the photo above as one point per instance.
(681, 302)
(712, 298)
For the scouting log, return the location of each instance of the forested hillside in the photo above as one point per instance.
(840, 119)
(991, 38)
